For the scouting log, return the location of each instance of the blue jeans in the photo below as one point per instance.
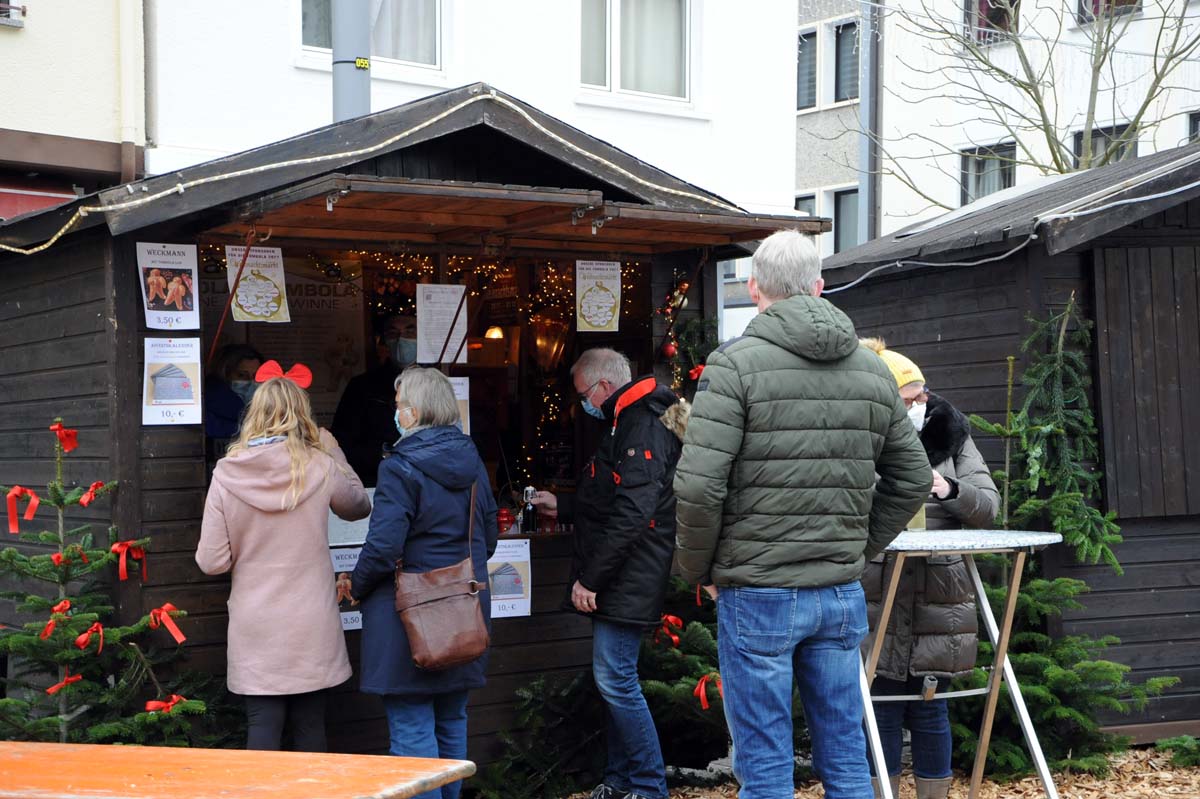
(429, 726)
(929, 723)
(768, 638)
(635, 760)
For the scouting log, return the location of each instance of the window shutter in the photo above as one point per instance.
(846, 77)
(806, 71)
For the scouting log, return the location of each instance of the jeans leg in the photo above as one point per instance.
(828, 664)
(411, 727)
(929, 723)
(450, 712)
(264, 722)
(755, 639)
(614, 665)
(306, 719)
(889, 716)
(616, 770)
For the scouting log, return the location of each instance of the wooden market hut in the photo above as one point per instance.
(953, 293)
(458, 180)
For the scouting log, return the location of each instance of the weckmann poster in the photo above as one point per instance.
(167, 273)
(261, 294)
(344, 560)
(171, 381)
(509, 579)
(597, 296)
(437, 308)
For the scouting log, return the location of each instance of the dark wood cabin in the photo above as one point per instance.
(465, 182)
(953, 294)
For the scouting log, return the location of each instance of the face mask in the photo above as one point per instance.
(403, 351)
(244, 389)
(399, 427)
(592, 410)
(916, 415)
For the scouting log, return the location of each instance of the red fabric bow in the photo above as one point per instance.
(696, 371)
(155, 706)
(59, 558)
(90, 495)
(15, 493)
(702, 689)
(67, 679)
(56, 612)
(128, 548)
(299, 374)
(86, 637)
(665, 631)
(69, 439)
(162, 617)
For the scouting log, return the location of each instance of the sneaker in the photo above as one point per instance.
(605, 791)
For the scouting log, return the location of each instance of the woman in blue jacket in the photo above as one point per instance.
(420, 519)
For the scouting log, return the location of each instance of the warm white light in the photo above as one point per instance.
(494, 332)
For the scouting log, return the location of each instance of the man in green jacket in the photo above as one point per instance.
(799, 465)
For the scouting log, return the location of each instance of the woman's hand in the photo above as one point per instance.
(941, 487)
(546, 504)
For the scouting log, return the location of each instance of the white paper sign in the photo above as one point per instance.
(462, 393)
(171, 381)
(597, 296)
(437, 306)
(262, 293)
(509, 580)
(167, 273)
(344, 561)
(343, 533)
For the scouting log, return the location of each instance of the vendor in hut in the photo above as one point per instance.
(227, 392)
(364, 423)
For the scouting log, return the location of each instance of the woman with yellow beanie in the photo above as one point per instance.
(932, 632)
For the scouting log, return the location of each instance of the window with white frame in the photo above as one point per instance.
(986, 170)
(1194, 126)
(638, 46)
(806, 204)
(845, 80)
(845, 219)
(1102, 139)
(806, 70)
(407, 31)
(990, 20)
(1089, 10)
(12, 16)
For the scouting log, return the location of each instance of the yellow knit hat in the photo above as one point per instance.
(902, 369)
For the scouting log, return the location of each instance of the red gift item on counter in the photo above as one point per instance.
(505, 520)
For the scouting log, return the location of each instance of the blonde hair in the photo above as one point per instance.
(281, 408)
(875, 345)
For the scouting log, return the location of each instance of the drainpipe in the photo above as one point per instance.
(131, 63)
(351, 59)
(869, 45)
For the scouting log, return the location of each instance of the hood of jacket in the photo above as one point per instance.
(946, 430)
(810, 327)
(262, 476)
(444, 454)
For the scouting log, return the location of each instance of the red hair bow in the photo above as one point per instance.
(299, 374)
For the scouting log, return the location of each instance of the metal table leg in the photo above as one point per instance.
(1003, 669)
(873, 743)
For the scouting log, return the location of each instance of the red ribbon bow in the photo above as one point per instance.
(67, 679)
(59, 558)
(665, 631)
(56, 612)
(162, 617)
(128, 548)
(15, 493)
(155, 706)
(702, 689)
(299, 374)
(69, 439)
(696, 371)
(90, 495)
(86, 637)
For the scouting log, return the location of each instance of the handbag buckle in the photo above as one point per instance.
(474, 584)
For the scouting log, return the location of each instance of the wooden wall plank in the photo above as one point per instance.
(1143, 383)
(1187, 328)
(1166, 386)
(1103, 386)
(1121, 358)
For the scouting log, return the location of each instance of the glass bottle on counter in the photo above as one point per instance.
(529, 516)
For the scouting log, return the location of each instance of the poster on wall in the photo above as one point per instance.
(167, 273)
(344, 560)
(597, 296)
(462, 393)
(509, 579)
(438, 309)
(262, 293)
(343, 533)
(171, 381)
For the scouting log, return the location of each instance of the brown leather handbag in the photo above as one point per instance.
(440, 610)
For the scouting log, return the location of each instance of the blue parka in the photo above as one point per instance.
(420, 518)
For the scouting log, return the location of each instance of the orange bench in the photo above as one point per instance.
(74, 771)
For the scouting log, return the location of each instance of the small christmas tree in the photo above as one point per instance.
(73, 677)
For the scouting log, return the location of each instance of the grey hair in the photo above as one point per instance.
(785, 264)
(430, 394)
(603, 363)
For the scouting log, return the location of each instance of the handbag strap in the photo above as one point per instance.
(471, 527)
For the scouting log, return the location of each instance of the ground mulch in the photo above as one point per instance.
(1136, 774)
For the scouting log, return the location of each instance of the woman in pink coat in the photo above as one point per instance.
(266, 520)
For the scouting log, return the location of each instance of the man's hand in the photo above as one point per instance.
(711, 590)
(941, 487)
(547, 505)
(583, 599)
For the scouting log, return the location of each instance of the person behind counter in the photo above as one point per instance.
(420, 520)
(227, 392)
(363, 420)
(266, 520)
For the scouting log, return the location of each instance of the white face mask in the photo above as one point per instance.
(916, 415)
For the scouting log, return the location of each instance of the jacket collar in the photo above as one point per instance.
(628, 395)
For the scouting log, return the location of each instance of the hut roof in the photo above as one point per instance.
(1063, 211)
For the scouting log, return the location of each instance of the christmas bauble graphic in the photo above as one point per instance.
(598, 306)
(257, 295)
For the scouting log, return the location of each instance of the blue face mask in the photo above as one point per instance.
(399, 427)
(592, 410)
(403, 351)
(244, 389)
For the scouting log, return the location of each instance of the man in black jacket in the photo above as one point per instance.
(624, 516)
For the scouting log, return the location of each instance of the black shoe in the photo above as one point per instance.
(605, 791)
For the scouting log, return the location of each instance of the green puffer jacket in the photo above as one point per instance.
(776, 484)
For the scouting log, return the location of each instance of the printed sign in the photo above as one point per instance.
(509, 579)
(462, 393)
(597, 296)
(437, 311)
(344, 560)
(171, 381)
(167, 273)
(261, 294)
(343, 533)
